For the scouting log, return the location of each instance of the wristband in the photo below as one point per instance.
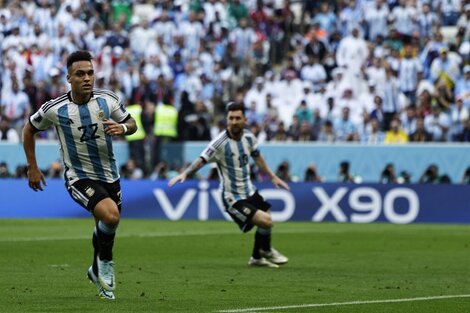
(124, 126)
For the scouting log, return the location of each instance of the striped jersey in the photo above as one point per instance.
(87, 151)
(232, 159)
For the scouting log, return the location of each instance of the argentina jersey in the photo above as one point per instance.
(232, 159)
(85, 147)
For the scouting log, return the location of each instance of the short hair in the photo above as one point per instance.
(80, 55)
(235, 106)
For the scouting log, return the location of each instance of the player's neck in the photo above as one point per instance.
(233, 136)
(80, 98)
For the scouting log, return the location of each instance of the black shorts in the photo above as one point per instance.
(242, 211)
(88, 193)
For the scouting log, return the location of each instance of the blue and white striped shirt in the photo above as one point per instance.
(232, 159)
(86, 149)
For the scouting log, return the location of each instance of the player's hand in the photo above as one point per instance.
(279, 182)
(35, 178)
(180, 178)
(112, 128)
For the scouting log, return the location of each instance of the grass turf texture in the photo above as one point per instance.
(192, 266)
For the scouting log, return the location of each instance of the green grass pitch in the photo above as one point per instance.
(191, 266)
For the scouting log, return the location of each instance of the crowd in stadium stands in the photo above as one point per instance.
(366, 71)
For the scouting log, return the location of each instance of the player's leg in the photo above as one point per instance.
(90, 195)
(263, 232)
(262, 218)
(108, 216)
(246, 215)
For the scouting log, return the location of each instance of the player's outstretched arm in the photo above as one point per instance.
(35, 175)
(193, 168)
(261, 163)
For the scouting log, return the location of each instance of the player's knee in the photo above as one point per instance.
(112, 218)
(262, 219)
(268, 223)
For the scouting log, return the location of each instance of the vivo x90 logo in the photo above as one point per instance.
(398, 205)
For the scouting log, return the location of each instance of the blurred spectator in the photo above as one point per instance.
(316, 48)
(257, 95)
(325, 18)
(437, 123)
(462, 86)
(311, 174)
(464, 136)
(280, 134)
(160, 171)
(373, 134)
(344, 175)
(388, 175)
(259, 132)
(352, 52)
(303, 113)
(236, 12)
(8, 133)
(165, 127)
(445, 65)
(376, 19)
(427, 21)
(403, 19)
(345, 129)
(420, 134)
(327, 133)
(199, 123)
(283, 171)
(135, 141)
(131, 171)
(21, 172)
(313, 71)
(430, 175)
(305, 133)
(408, 119)
(396, 134)
(15, 106)
(377, 113)
(4, 172)
(391, 98)
(409, 74)
(458, 115)
(450, 12)
(466, 176)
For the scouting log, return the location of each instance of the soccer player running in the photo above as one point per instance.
(86, 119)
(230, 151)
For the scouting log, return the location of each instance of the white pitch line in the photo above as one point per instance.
(316, 305)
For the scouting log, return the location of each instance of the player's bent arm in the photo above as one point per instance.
(29, 145)
(129, 126)
(193, 168)
(261, 164)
